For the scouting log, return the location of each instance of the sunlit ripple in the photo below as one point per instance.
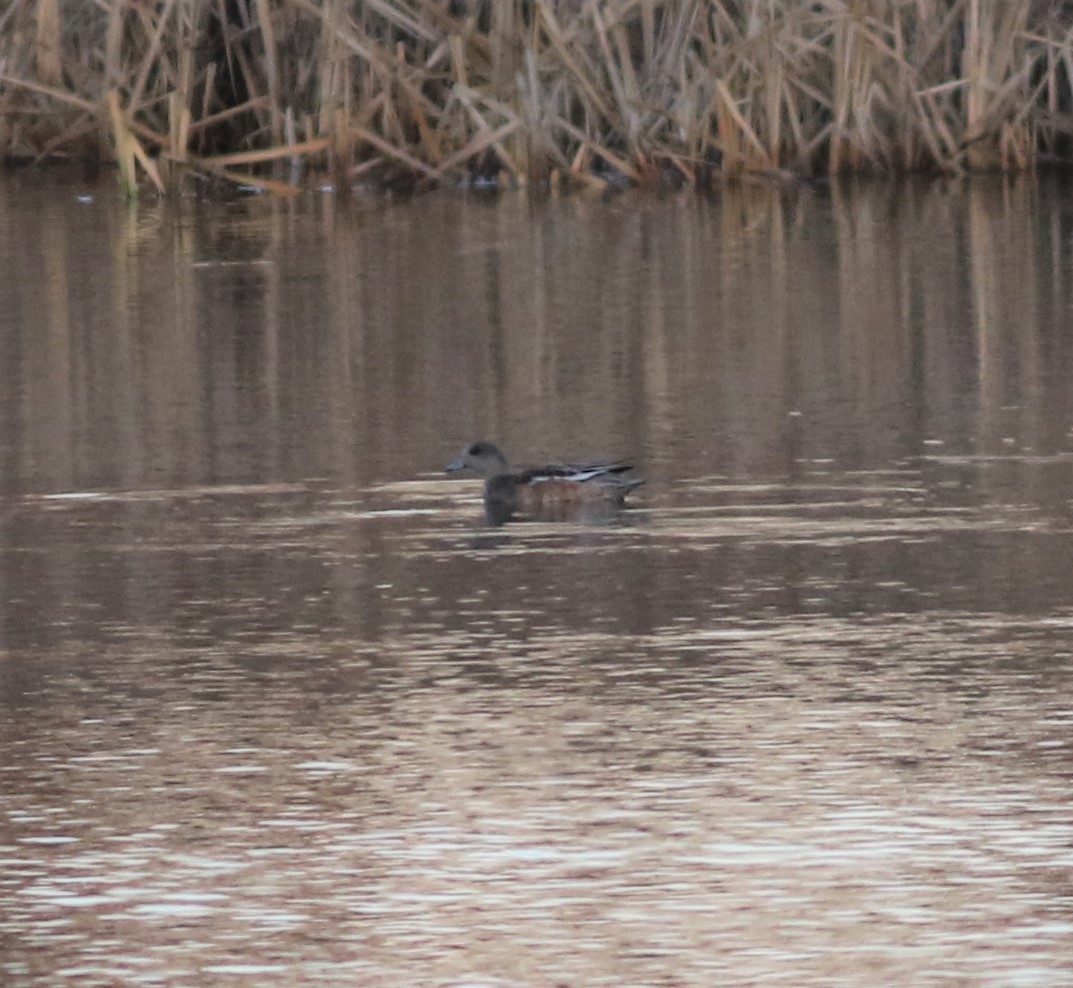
(506, 810)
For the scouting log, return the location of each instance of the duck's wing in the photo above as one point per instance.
(579, 472)
(599, 467)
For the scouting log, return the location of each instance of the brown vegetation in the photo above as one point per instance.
(592, 90)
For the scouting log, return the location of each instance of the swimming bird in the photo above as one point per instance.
(554, 492)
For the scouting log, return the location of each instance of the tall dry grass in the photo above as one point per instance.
(594, 91)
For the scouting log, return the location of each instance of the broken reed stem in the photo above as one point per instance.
(593, 89)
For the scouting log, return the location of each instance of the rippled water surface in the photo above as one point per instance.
(279, 707)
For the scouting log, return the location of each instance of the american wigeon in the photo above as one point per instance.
(553, 492)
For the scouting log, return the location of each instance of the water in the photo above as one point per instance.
(279, 708)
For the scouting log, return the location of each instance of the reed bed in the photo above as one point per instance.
(595, 92)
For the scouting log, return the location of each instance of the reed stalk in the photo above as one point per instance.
(47, 42)
(594, 91)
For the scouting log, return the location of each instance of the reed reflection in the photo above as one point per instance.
(311, 355)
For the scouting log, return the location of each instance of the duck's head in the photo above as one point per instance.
(481, 457)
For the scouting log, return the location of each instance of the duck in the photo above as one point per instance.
(554, 492)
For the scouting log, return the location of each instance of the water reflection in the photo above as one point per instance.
(280, 707)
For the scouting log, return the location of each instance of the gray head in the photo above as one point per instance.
(481, 457)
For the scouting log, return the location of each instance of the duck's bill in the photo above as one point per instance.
(455, 466)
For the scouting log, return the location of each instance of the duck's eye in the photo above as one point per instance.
(475, 450)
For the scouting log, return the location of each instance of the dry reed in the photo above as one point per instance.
(595, 91)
